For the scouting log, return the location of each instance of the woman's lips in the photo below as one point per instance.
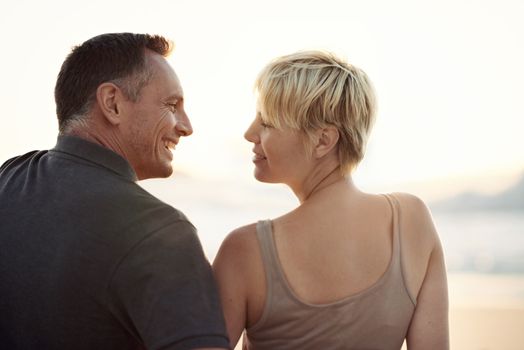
(258, 157)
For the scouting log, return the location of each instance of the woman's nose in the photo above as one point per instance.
(251, 134)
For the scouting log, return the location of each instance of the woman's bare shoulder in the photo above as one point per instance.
(239, 243)
(415, 218)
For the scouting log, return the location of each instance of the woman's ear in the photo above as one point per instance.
(327, 139)
(109, 99)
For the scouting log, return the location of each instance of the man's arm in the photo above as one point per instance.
(164, 291)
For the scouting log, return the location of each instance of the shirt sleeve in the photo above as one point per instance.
(165, 294)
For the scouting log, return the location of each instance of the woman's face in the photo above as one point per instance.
(279, 154)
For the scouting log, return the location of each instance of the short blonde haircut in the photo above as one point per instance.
(310, 90)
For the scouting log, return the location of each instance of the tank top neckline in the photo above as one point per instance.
(394, 261)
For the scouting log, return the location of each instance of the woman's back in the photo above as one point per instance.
(339, 240)
(352, 273)
(375, 316)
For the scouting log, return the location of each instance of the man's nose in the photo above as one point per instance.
(183, 124)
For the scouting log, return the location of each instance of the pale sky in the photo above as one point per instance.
(449, 76)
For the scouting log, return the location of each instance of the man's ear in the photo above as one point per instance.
(326, 140)
(109, 98)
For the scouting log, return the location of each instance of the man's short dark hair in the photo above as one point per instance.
(115, 57)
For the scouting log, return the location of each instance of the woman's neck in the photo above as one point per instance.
(318, 182)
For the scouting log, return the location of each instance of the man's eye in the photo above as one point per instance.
(172, 107)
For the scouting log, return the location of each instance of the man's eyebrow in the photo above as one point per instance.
(176, 96)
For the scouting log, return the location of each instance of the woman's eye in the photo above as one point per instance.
(265, 125)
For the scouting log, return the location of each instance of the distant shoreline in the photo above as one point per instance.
(486, 291)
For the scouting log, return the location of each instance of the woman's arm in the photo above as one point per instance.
(429, 327)
(232, 268)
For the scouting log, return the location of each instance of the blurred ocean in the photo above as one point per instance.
(484, 253)
(482, 241)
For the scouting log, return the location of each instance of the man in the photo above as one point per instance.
(88, 259)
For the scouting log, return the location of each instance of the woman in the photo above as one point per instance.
(345, 269)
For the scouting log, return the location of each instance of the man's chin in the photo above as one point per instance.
(165, 173)
(159, 173)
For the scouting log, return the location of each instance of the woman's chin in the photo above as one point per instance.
(263, 177)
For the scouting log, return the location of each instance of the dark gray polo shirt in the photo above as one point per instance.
(90, 260)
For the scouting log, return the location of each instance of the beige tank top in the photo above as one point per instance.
(375, 318)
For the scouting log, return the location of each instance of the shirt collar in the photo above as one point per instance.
(94, 153)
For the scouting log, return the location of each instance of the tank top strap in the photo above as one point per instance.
(393, 203)
(269, 257)
(397, 242)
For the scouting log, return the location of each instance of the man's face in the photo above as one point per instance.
(154, 123)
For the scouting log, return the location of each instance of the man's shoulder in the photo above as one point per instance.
(146, 200)
(164, 212)
(131, 202)
(21, 159)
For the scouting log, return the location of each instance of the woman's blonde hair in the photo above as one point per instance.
(310, 90)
